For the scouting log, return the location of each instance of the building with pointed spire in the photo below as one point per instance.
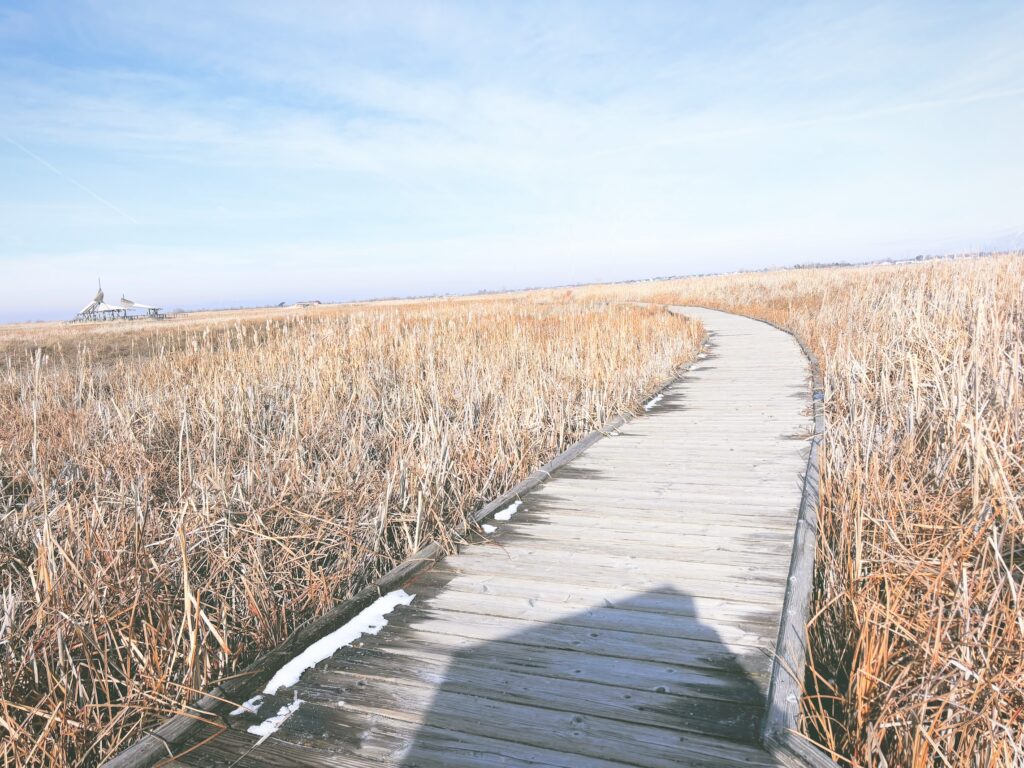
(99, 309)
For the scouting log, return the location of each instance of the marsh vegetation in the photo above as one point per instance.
(177, 498)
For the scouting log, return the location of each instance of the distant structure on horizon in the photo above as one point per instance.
(98, 309)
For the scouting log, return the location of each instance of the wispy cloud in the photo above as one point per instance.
(49, 166)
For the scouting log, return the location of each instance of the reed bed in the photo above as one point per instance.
(917, 631)
(176, 499)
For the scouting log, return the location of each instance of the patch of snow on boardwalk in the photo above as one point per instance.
(271, 725)
(653, 402)
(252, 706)
(489, 528)
(507, 512)
(369, 621)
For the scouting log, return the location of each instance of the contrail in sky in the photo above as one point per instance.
(78, 184)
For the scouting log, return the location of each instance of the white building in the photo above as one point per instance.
(98, 309)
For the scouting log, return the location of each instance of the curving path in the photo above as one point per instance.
(626, 614)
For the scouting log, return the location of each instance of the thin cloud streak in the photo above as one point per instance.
(92, 193)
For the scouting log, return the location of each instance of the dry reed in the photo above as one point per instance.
(177, 498)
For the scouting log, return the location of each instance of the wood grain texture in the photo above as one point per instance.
(627, 614)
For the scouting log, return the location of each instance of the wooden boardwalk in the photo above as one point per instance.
(626, 614)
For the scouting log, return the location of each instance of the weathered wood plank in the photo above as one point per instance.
(667, 514)
(709, 653)
(600, 575)
(747, 632)
(639, 591)
(744, 548)
(636, 674)
(681, 523)
(733, 494)
(565, 561)
(577, 596)
(586, 735)
(377, 686)
(376, 741)
(633, 483)
(678, 525)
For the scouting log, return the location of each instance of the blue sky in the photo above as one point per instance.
(219, 154)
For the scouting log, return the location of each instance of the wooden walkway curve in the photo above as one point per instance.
(625, 614)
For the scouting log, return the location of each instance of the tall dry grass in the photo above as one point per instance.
(176, 499)
(917, 637)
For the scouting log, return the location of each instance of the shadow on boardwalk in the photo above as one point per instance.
(640, 682)
(579, 691)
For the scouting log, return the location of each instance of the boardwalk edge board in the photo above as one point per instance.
(158, 744)
(779, 731)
